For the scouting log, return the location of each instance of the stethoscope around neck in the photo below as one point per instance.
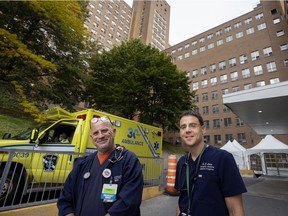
(118, 156)
(194, 177)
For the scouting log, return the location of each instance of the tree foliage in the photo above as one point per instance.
(41, 47)
(135, 79)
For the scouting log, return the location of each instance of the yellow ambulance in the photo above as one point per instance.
(41, 156)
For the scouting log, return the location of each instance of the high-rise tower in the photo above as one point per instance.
(150, 23)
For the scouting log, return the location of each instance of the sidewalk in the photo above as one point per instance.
(274, 187)
(263, 192)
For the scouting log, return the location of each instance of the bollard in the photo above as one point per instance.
(171, 176)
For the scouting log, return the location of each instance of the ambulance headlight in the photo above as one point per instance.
(117, 123)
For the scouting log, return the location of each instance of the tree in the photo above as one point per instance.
(137, 80)
(51, 36)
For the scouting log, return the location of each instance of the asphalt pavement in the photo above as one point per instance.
(266, 196)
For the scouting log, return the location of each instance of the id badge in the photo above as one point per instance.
(109, 192)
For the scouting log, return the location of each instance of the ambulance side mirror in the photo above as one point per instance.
(34, 135)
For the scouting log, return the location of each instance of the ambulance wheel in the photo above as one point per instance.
(9, 189)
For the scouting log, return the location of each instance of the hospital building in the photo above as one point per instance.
(246, 58)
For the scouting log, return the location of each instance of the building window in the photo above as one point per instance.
(285, 62)
(228, 29)
(212, 68)
(261, 26)
(274, 80)
(229, 38)
(284, 47)
(260, 83)
(214, 95)
(237, 25)
(219, 42)
(180, 57)
(222, 65)
(204, 83)
(248, 21)
(205, 96)
(248, 86)
(219, 33)
(228, 137)
(225, 109)
(239, 35)
(217, 139)
(211, 45)
(280, 33)
(227, 122)
(235, 89)
(271, 66)
(194, 43)
(239, 122)
(225, 91)
(223, 78)
(232, 62)
(202, 40)
(195, 86)
(210, 36)
(205, 110)
(258, 70)
(203, 70)
(196, 109)
(259, 16)
(241, 137)
(274, 11)
(234, 75)
(243, 59)
(194, 73)
(186, 46)
(267, 51)
(202, 49)
(245, 73)
(216, 123)
(215, 109)
(213, 81)
(206, 123)
(276, 20)
(194, 52)
(255, 55)
(207, 139)
(180, 49)
(250, 31)
(196, 99)
(186, 55)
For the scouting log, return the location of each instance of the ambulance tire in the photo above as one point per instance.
(9, 189)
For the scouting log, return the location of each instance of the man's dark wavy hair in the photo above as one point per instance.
(193, 113)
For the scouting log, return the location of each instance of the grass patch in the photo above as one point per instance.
(172, 148)
(14, 125)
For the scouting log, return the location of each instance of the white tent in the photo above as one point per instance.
(237, 151)
(238, 145)
(268, 145)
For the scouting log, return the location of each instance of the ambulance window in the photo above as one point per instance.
(62, 132)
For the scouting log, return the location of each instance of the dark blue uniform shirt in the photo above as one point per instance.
(83, 196)
(218, 177)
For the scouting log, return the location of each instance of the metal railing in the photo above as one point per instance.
(29, 178)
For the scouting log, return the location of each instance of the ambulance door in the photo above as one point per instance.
(54, 153)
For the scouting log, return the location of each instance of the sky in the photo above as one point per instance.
(189, 18)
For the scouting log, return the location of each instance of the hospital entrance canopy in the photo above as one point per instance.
(264, 109)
